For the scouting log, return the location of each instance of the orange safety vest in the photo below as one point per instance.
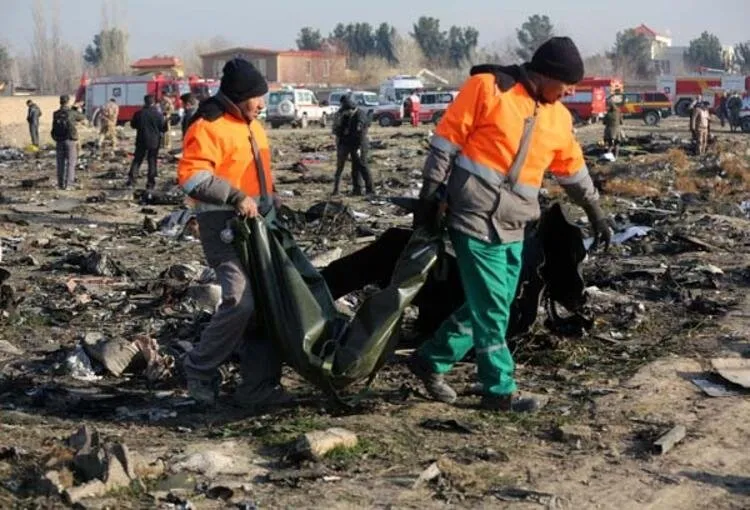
(223, 148)
(509, 137)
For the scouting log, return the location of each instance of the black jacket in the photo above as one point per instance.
(351, 126)
(149, 124)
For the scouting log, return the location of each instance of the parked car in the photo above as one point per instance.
(296, 107)
(432, 107)
(649, 106)
(367, 100)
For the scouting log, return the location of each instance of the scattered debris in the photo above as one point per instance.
(449, 425)
(715, 388)
(668, 440)
(550, 501)
(734, 370)
(315, 445)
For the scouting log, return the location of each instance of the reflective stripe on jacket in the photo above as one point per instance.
(492, 148)
(222, 149)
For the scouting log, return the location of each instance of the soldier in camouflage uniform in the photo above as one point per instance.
(167, 109)
(108, 123)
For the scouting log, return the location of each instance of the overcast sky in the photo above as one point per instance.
(161, 26)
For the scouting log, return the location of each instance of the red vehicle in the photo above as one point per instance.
(203, 88)
(129, 92)
(589, 101)
(684, 89)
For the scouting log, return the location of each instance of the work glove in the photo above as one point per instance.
(600, 226)
(431, 209)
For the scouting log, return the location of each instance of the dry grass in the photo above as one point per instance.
(677, 159)
(632, 188)
(736, 170)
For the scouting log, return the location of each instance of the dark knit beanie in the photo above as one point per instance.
(241, 81)
(559, 59)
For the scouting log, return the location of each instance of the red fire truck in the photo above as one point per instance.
(129, 92)
(203, 88)
(589, 101)
(683, 90)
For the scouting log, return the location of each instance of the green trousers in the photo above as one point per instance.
(489, 275)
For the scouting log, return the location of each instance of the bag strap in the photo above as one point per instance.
(266, 203)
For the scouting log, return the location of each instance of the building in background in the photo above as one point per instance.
(167, 65)
(292, 67)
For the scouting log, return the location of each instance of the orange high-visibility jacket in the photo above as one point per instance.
(221, 149)
(492, 148)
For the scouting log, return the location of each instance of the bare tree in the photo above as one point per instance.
(190, 52)
(598, 65)
(40, 50)
(55, 65)
(409, 54)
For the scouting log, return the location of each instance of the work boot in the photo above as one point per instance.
(433, 382)
(204, 391)
(510, 403)
(261, 399)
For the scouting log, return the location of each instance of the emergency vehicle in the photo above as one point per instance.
(432, 106)
(397, 88)
(683, 90)
(649, 106)
(203, 88)
(129, 92)
(589, 101)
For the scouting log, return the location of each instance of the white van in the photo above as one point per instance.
(396, 88)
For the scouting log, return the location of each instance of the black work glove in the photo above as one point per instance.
(431, 208)
(600, 226)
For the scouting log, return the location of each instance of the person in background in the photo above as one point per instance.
(167, 109)
(65, 134)
(486, 163)
(415, 106)
(723, 109)
(702, 124)
(108, 128)
(350, 128)
(32, 117)
(190, 105)
(149, 125)
(613, 128)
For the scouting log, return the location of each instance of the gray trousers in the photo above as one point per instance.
(34, 132)
(233, 326)
(67, 159)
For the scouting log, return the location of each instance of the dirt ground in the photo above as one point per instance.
(667, 303)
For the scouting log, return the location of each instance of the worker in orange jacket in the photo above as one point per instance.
(487, 160)
(226, 169)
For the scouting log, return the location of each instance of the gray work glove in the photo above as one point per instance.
(600, 225)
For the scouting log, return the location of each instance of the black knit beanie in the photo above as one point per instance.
(559, 59)
(241, 81)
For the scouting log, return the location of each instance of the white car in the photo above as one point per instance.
(367, 100)
(296, 107)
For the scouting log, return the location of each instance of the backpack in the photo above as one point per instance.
(61, 126)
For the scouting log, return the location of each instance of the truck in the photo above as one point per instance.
(589, 101)
(682, 90)
(203, 88)
(129, 92)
